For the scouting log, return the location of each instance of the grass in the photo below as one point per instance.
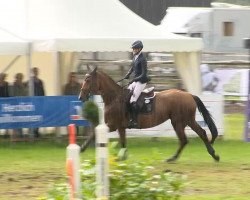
(27, 170)
(234, 126)
(207, 179)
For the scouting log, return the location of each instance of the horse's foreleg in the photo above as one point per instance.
(202, 134)
(122, 155)
(122, 136)
(89, 140)
(179, 129)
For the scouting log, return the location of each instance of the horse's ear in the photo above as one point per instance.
(88, 68)
(94, 70)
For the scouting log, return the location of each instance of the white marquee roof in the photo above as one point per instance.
(93, 25)
(97, 25)
(177, 18)
(84, 25)
(11, 44)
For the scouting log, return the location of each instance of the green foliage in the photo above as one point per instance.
(136, 181)
(91, 112)
(133, 181)
(128, 180)
(60, 191)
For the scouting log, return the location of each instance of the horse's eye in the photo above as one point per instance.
(87, 79)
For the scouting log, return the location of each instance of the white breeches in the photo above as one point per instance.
(137, 88)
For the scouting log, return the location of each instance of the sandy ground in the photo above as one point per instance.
(25, 185)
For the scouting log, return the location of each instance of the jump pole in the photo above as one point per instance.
(73, 164)
(102, 165)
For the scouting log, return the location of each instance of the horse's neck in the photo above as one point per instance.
(109, 92)
(109, 97)
(116, 103)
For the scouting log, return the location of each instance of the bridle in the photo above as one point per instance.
(88, 93)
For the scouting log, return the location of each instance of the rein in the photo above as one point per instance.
(125, 85)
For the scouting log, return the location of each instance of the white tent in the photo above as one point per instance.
(177, 19)
(101, 25)
(11, 44)
(107, 25)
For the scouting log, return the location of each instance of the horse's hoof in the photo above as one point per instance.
(217, 158)
(123, 154)
(171, 160)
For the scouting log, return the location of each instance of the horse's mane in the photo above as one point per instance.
(103, 74)
(111, 83)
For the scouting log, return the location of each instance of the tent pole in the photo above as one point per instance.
(30, 81)
(58, 89)
(29, 70)
(57, 74)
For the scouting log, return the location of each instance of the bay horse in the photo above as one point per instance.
(176, 105)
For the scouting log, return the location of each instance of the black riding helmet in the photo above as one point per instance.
(137, 45)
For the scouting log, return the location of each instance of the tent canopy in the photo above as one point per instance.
(95, 25)
(83, 25)
(11, 44)
(177, 19)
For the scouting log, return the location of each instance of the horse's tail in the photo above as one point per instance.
(207, 117)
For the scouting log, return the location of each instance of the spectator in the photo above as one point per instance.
(38, 91)
(38, 83)
(72, 87)
(18, 89)
(210, 80)
(4, 86)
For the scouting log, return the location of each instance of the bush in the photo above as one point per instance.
(128, 180)
(134, 181)
(91, 112)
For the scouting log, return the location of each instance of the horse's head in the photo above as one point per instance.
(89, 85)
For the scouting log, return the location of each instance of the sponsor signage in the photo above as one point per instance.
(40, 111)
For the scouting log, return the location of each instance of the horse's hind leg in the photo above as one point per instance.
(179, 129)
(202, 134)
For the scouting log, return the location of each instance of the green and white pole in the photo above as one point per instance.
(102, 165)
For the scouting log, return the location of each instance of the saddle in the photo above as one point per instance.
(146, 100)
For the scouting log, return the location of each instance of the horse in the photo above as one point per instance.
(177, 105)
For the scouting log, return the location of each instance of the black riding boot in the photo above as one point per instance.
(133, 116)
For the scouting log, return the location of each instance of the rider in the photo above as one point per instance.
(139, 81)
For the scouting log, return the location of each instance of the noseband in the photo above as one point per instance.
(88, 92)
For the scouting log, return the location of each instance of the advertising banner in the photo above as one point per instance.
(40, 111)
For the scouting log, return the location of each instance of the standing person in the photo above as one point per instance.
(19, 88)
(139, 81)
(72, 87)
(4, 86)
(210, 80)
(38, 91)
(38, 83)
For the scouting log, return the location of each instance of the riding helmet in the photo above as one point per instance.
(137, 45)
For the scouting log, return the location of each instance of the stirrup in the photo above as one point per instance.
(132, 124)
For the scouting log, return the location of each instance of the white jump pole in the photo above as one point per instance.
(102, 165)
(73, 164)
